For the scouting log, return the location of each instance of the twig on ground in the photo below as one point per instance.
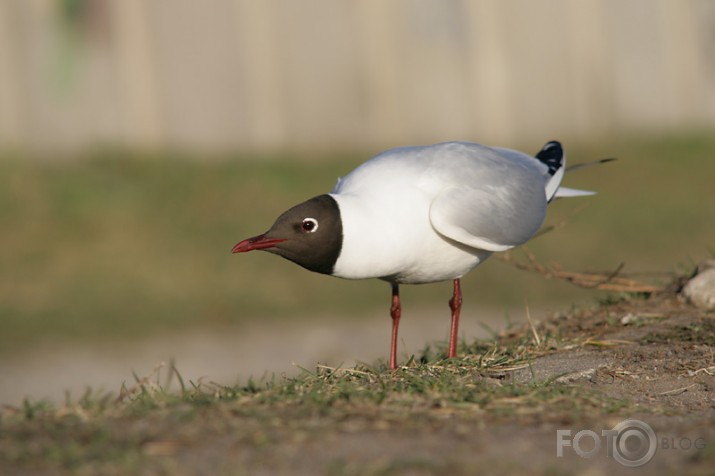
(609, 281)
(607, 342)
(677, 391)
(707, 370)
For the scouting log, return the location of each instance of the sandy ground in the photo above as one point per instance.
(229, 355)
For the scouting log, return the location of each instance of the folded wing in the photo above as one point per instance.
(497, 208)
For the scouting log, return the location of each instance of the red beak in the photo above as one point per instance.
(260, 242)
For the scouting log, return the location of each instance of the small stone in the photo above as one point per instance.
(700, 290)
(629, 318)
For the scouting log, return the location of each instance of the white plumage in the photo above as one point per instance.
(432, 213)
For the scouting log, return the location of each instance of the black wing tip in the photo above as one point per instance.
(550, 144)
(551, 155)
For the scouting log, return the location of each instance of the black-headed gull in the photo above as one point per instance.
(415, 215)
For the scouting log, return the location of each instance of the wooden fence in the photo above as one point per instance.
(321, 74)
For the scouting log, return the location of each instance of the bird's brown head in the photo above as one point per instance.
(309, 234)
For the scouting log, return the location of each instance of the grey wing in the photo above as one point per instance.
(492, 216)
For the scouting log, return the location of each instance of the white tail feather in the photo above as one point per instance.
(565, 192)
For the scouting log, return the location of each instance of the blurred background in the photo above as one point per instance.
(140, 140)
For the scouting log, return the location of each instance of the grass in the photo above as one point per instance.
(117, 245)
(148, 421)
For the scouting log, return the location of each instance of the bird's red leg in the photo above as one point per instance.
(395, 312)
(455, 304)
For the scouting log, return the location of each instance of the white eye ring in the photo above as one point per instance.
(309, 225)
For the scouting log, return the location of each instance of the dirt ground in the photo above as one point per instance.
(655, 355)
(643, 368)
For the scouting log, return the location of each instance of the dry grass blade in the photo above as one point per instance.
(607, 342)
(707, 370)
(149, 383)
(678, 391)
(531, 325)
(507, 368)
(342, 370)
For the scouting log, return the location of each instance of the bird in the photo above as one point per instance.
(421, 214)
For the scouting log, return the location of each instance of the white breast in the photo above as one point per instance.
(388, 239)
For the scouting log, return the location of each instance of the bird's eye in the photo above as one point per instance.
(309, 225)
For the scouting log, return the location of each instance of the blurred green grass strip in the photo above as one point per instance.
(121, 244)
